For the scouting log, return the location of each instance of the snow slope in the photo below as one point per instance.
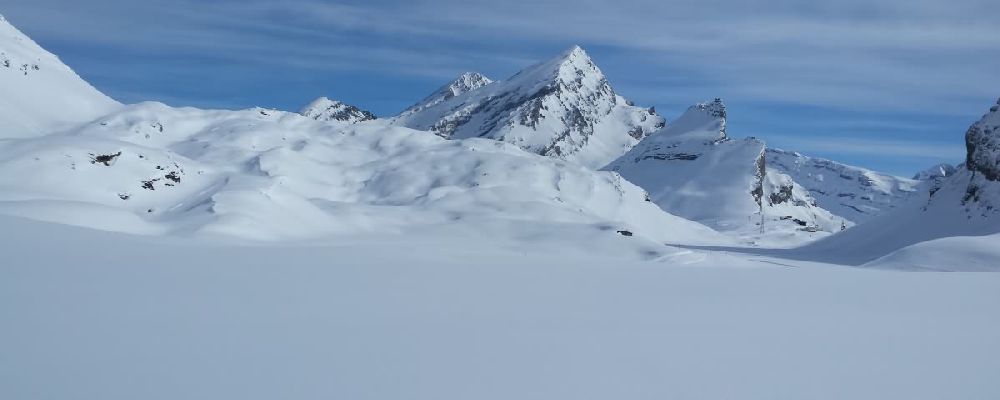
(39, 93)
(693, 169)
(853, 193)
(563, 108)
(114, 316)
(963, 204)
(273, 175)
(324, 109)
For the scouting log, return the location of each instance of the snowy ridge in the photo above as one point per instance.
(854, 193)
(465, 83)
(40, 93)
(936, 172)
(693, 169)
(563, 108)
(324, 109)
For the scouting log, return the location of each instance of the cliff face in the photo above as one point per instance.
(983, 143)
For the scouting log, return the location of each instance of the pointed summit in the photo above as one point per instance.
(703, 120)
(467, 82)
(324, 109)
(563, 107)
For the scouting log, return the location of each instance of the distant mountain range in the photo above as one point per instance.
(554, 142)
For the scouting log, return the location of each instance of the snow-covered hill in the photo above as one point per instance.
(38, 93)
(853, 193)
(268, 174)
(693, 169)
(324, 109)
(563, 108)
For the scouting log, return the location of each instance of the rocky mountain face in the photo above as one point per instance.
(465, 83)
(38, 93)
(983, 143)
(564, 108)
(324, 109)
(693, 169)
(982, 140)
(854, 193)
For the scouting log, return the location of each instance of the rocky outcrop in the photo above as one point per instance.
(564, 108)
(324, 109)
(982, 141)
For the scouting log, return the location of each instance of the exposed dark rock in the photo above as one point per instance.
(106, 159)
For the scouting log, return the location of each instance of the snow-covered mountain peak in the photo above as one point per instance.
(983, 143)
(563, 107)
(467, 82)
(324, 109)
(707, 119)
(573, 69)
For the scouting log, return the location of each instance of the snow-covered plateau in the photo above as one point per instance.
(538, 237)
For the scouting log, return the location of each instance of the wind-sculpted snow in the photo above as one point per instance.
(564, 108)
(693, 169)
(269, 174)
(38, 93)
(324, 109)
(853, 193)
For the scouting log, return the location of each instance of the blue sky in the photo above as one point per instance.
(890, 85)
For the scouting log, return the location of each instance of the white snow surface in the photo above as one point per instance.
(40, 93)
(274, 175)
(444, 315)
(692, 169)
(563, 108)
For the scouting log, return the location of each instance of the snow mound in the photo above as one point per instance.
(39, 93)
(324, 109)
(563, 108)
